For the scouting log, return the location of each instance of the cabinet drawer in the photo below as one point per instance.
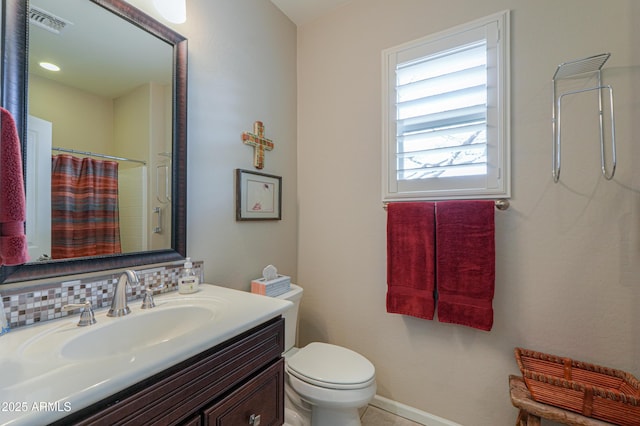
(196, 421)
(258, 403)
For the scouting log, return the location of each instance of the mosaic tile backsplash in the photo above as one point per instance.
(45, 301)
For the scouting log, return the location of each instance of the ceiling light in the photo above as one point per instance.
(172, 10)
(49, 66)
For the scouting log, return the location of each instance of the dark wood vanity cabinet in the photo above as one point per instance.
(239, 382)
(253, 404)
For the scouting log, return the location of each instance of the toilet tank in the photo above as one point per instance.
(291, 316)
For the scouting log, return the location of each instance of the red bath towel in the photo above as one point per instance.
(410, 259)
(465, 271)
(13, 242)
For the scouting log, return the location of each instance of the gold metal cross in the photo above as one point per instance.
(259, 143)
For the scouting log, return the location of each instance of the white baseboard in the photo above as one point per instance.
(410, 413)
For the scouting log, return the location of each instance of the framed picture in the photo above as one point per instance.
(258, 196)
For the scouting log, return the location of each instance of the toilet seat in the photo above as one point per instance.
(330, 366)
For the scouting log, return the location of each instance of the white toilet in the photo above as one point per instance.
(325, 384)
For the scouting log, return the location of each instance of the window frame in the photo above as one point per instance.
(497, 182)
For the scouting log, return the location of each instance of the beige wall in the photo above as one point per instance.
(242, 68)
(568, 254)
(81, 120)
(132, 123)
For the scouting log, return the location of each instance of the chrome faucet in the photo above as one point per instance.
(147, 299)
(86, 313)
(119, 306)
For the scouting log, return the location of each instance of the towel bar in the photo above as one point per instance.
(501, 204)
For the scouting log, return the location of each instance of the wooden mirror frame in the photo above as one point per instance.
(14, 80)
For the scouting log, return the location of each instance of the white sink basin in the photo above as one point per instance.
(124, 335)
(59, 362)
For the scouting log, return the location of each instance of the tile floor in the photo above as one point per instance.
(374, 416)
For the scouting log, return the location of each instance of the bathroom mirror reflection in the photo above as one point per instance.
(116, 106)
(101, 111)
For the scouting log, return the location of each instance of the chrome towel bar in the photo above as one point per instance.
(501, 204)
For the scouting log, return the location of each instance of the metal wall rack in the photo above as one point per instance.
(592, 64)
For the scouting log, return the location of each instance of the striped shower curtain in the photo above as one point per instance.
(84, 207)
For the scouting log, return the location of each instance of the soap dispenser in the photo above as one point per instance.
(188, 281)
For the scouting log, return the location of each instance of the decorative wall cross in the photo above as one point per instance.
(259, 143)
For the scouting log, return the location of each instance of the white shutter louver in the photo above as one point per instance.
(441, 114)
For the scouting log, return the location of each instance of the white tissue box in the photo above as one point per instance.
(271, 288)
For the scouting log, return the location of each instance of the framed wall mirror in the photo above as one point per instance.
(119, 102)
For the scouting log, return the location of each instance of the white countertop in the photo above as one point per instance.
(39, 384)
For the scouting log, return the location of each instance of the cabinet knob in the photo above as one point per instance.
(254, 420)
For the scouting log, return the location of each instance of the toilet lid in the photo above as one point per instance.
(331, 366)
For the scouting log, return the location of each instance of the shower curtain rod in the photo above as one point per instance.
(93, 154)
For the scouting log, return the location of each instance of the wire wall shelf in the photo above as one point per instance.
(576, 69)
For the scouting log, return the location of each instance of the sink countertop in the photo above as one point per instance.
(43, 386)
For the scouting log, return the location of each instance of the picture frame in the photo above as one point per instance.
(258, 196)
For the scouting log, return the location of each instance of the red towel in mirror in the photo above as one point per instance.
(13, 211)
(465, 271)
(410, 259)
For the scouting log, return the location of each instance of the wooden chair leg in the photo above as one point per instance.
(526, 419)
(522, 418)
(533, 420)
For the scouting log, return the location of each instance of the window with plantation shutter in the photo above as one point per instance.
(446, 114)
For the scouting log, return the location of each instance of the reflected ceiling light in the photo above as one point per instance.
(172, 10)
(49, 66)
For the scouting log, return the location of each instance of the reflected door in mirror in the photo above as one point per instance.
(38, 157)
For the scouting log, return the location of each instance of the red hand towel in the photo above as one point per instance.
(465, 250)
(410, 259)
(13, 242)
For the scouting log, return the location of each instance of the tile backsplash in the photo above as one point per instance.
(42, 302)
